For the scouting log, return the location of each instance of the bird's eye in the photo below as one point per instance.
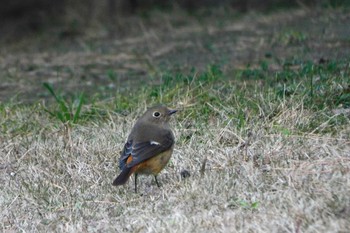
(156, 114)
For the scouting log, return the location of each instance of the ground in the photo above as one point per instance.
(181, 43)
(263, 127)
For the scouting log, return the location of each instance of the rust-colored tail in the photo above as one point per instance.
(123, 176)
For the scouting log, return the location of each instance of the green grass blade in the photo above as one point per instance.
(77, 112)
(49, 112)
(52, 92)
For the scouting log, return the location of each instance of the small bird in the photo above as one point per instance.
(149, 146)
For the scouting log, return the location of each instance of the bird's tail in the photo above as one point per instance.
(123, 176)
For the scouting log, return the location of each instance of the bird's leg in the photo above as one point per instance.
(135, 182)
(155, 177)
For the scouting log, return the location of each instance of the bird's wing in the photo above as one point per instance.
(142, 151)
(125, 154)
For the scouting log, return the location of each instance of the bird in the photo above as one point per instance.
(149, 145)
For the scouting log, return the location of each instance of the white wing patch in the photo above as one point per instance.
(154, 143)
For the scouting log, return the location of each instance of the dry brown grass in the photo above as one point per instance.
(278, 173)
(175, 41)
(274, 183)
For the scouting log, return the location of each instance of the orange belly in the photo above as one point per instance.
(153, 165)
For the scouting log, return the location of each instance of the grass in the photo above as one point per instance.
(265, 148)
(276, 161)
(67, 113)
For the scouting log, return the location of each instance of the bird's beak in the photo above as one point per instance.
(172, 111)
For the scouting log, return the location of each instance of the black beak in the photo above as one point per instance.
(171, 112)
